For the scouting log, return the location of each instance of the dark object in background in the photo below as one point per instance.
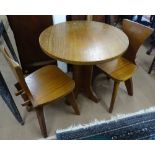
(121, 17)
(8, 100)
(98, 18)
(26, 29)
(149, 22)
(152, 67)
(4, 91)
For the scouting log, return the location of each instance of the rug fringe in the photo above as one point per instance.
(96, 121)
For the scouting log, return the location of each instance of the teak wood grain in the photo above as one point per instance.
(42, 87)
(123, 68)
(119, 69)
(48, 84)
(83, 42)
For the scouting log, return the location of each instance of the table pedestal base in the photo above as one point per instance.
(82, 75)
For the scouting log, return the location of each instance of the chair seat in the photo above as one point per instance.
(49, 83)
(119, 69)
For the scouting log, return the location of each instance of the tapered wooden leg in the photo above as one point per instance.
(41, 120)
(71, 99)
(129, 86)
(114, 94)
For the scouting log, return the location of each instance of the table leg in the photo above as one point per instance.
(82, 75)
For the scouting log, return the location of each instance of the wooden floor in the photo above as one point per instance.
(61, 116)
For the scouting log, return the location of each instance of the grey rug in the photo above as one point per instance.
(139, 126)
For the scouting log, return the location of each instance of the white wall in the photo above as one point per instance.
(56, 20)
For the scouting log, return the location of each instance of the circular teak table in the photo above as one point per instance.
(83, 44)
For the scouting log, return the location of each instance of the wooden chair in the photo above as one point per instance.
(122, 68)
(42, 87)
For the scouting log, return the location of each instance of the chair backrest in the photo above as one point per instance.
(137, 34)
(17, 70)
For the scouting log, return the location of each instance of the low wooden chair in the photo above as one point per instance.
(122, 68)
(42, 87)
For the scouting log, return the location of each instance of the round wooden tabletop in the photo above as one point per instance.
(83, 42)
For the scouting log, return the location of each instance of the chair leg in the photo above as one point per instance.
(41, 120)
(71, 99)
(129, 86)
(114, 94)
(151, 67)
